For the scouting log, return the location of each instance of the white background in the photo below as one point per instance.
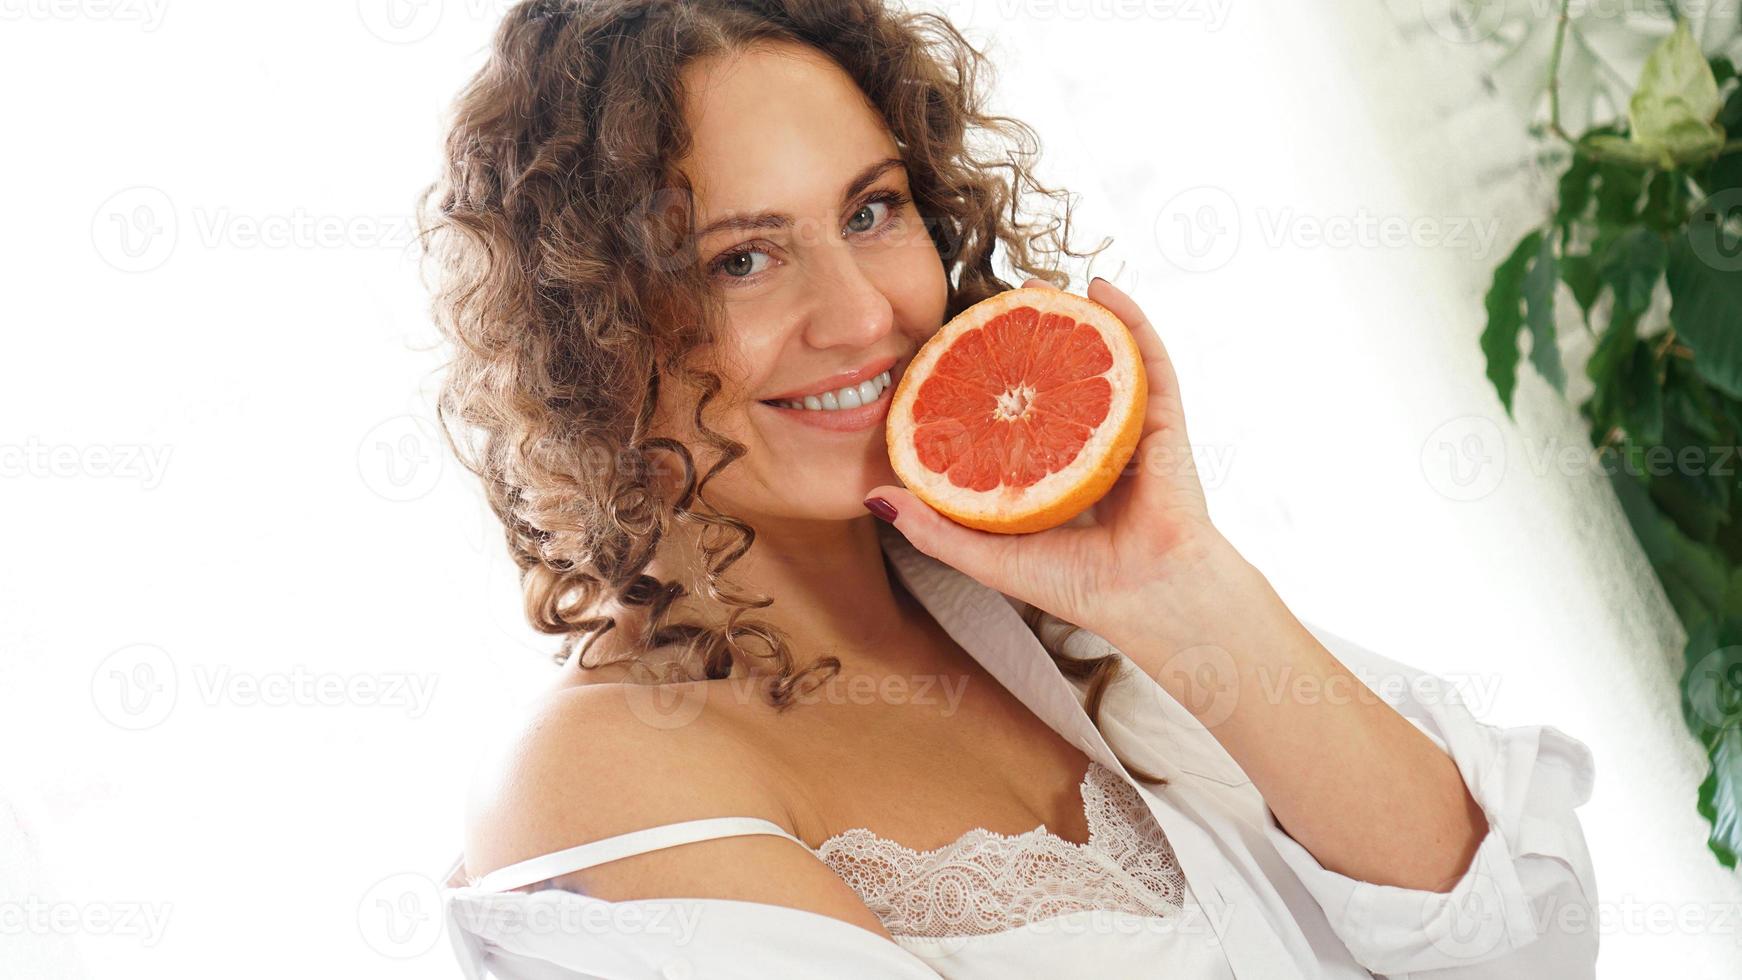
(254, 622)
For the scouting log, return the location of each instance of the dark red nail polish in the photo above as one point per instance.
(882, 508)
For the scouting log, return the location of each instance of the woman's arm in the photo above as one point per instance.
(1368, 794)
(1523, 904)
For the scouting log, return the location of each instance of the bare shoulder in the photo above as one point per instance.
(598, 760)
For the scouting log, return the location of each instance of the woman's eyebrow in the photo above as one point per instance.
(769, 220)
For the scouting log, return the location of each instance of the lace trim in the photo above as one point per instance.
(985, 882)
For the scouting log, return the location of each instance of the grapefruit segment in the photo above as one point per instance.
(1019, 413)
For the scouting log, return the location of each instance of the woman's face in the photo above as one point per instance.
(827, 274)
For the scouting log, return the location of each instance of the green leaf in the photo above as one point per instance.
(1730, 117)
(1693, 575)
(1690, 404)
(1706, 295)
(1504, 301)
(1575, 190)
(1614, 350)
(1723, 69)
(1708, 690)
(1642, 395)
(1604, 367)
(1631, 265)
(1539, 286)
(1676, 101)
(1720, 799)
(1618, 190)
(1692, 513)
(1666, 201)
(1725, 174)
(1580, 274)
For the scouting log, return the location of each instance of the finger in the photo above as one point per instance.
(1042, 283)
(982, 555)
(1165, 409)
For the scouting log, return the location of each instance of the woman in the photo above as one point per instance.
(791, 739)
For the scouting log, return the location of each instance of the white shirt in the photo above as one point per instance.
(1258, 905)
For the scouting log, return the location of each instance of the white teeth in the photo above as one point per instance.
(851, 396)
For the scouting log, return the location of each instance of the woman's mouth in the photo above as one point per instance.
(851, 408)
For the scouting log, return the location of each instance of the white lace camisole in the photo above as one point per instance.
(989, 904)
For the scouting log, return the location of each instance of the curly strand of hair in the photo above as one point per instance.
(1099, 671)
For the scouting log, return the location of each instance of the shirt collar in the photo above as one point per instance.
(987, 624)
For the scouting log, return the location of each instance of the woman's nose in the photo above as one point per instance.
(847, 309)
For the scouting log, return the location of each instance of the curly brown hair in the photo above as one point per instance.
(569, 286)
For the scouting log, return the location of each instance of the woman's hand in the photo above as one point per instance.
(1151, 531)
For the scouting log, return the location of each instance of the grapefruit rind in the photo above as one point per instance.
(1058, 496)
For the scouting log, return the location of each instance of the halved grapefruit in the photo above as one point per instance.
(1020, 412)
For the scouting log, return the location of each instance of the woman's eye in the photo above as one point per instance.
(871, 216)
(740, 265)
(852, 225)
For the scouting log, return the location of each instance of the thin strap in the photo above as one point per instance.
(556, 863)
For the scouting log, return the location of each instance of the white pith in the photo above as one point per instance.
(850, 396)
(1005, 503)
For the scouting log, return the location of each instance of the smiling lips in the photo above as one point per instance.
(849, 408)
(848, 396)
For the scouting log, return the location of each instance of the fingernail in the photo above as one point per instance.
(1097, 279)
(882, 508)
